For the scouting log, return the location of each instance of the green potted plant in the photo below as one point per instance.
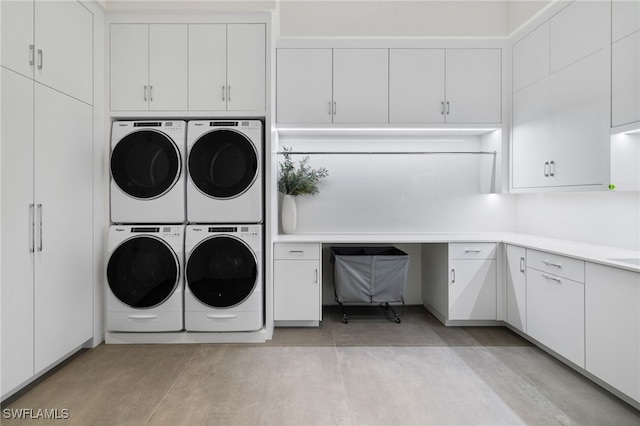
(294, 181)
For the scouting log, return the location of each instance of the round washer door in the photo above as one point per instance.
(145, 164)
(221, 271)
(143, 272)
(223, 163)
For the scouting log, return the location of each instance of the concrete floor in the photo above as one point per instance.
(368, 372)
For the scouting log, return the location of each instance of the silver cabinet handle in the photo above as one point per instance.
(40, 59)
(32, 225)
(151, 93)
(522, 264)
(228, 93)
(32, 54)
(39, 214)
(296, 252)
(334, 107)
(442, 108)
(472, 250)
(557, 265)
(552, 168)
(329, 108)
(453, 276)
(546, 169)
(448, 108)
(224, 89)
(549, 277)
(316, 279)
(145, 93)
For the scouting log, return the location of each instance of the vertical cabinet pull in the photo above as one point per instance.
(316, 276)
(329, 108)
(145, 93)
(552, 168)
(39, 220)
(546, 169)
(453, 276)
(228, 93)
(334, 107)
(442, 108)
(448, 108)
(522, 264)
(40, 59)
(224, 89)
(32, 55)
(151, 93)
(32, 226)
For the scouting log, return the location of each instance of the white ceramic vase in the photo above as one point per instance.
(289, 214)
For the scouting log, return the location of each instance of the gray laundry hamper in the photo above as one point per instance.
(372, 275)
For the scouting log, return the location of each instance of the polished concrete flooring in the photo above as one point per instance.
(370, 371)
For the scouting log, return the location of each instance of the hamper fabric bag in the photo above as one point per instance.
(369, 274)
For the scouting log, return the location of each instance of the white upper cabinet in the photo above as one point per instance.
(625, 63)
(416, 85)
(227, 67)
(579, 30)
(473, 86)
(246, 62)
(304, 83)
(360, 85)
(531, 57)
(148, 67)
(332, 85)
(38, 42)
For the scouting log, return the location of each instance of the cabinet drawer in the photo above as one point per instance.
(296, 251)
(472, 251)
(562, 266)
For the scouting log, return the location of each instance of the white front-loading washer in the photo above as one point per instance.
(223, 278)
(225, 180)
(144, 275)
(147, 171)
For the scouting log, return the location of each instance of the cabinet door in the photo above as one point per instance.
(531, 57)
(577, 31)
(612, 309)
(472, 290)
(625, 18)
(360, 85)
(168, 67)
(555, 314)
(246, 62)
(64, 261)
(416, 85)
(17, 229)
(297, 290)
(625, 80)
(18, 47)
(129, 64)
(207, 67)
(64, 48)
(580, 122)
(516, 287)
(473, 86)
(304, 83)
(531, 142)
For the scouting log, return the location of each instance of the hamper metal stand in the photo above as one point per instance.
(371, 275)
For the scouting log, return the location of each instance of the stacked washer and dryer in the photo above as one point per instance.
(185, 248)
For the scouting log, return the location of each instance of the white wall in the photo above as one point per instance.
(606, 218)
(399, 18)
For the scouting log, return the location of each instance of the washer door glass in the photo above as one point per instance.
(221, 272)
(145, 164)
(223, 163)
(143, 272)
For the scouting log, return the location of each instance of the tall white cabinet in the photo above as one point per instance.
(47, 196)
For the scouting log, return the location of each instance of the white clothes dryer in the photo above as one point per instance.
(223, 278)
(147, 172)
(144, 275)
(225, 179)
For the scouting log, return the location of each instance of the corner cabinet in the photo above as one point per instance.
(297, 281)
(459, 281)
(47, 253)
(561, 101)
(187, 67)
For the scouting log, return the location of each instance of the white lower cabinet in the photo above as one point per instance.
(555, 304)
(297, 278)
(516, 282)
(612, 304)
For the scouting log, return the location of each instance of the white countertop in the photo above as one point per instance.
(588, 252)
